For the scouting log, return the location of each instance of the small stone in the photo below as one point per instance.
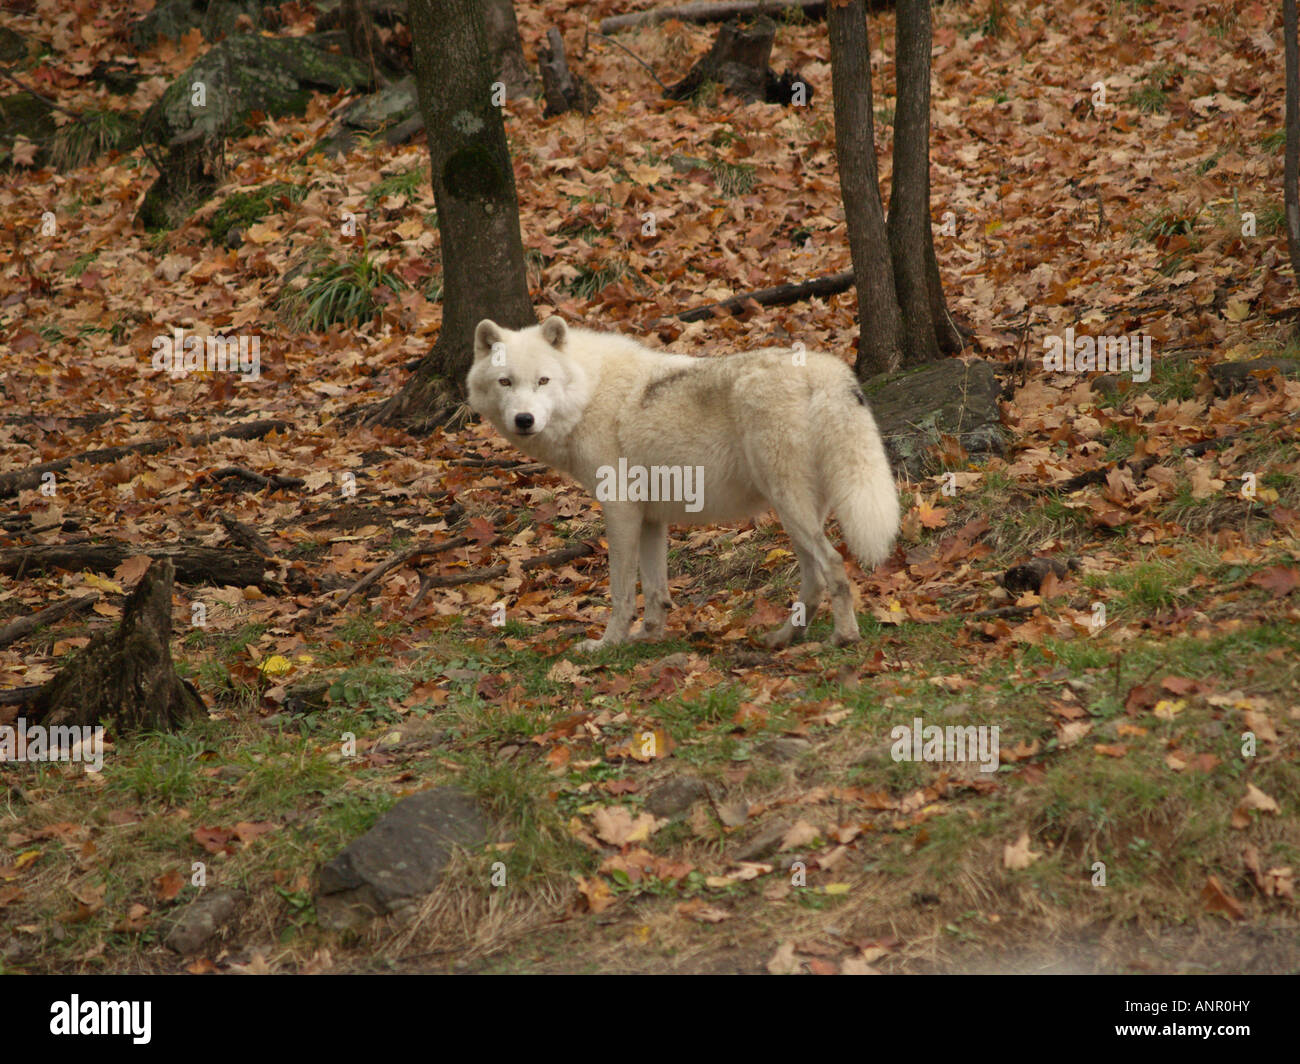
(194, 926)
(676, 795)
(765, 843)
(785, 749)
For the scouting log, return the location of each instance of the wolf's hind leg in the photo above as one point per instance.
(811, 588)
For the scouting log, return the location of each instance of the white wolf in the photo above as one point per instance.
(645, 431)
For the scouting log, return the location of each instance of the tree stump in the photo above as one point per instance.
(738, 61)
(563, 90)
(125, 678)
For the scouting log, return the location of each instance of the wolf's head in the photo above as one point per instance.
(524, 382)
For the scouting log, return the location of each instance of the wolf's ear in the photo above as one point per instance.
(487, 334)
(554, 332)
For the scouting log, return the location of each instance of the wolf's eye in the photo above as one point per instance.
(543, 380)
(504, 382)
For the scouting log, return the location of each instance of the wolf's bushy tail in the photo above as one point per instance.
(862, 492)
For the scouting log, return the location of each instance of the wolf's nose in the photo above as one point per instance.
(523, 422)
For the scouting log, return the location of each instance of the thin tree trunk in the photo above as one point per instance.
(502, 29)
(947, 334)
(1291, 171)
(909, 199)
(879, 341)
(362, 40)
(478, 212)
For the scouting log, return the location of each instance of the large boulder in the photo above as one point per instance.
(275, 76)
(398, 860)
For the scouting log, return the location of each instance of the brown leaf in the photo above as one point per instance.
(1218, 900)
(168, 885)
(1279, 581)
(1254, 799)
(1018, 854)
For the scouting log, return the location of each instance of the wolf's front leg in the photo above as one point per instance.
(622, 529)
(654, 580)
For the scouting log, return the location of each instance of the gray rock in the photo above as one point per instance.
(400, 858)
(915, 407)
(387, 109)
(194, 926)
(765, 843)
(676, 795)
(785, 749)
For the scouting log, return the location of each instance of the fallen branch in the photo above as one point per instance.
(20, 696)
(780, 296)
(275, 480)
(12, 483)
(396, 561)
(478, 576)
(194, 565)
(509, 465)
(711, 11)
(23, 626)
(246, 536)
(1001, 611)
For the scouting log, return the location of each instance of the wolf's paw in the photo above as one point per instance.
(779, 639)
(589, 646)
(647, 635)
(843, 639)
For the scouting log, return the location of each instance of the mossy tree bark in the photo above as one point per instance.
(478, 212)
(125, 678)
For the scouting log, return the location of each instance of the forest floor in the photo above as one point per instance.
(1143, 814)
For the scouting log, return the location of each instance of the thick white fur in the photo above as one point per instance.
(771, 429)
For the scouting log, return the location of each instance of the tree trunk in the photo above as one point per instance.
(125, 678)
(478, 212)
(1291, 170)
(909, 199)
(564, 91)
(879, 342)
(507, 51)
(737, 60)
(362, 40)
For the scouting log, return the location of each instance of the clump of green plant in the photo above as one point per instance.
(340, 292)
(593, 279)
(734, 179)
(92, 134)
(406, 183)
(81, 263)
(242, 209)
(1150, 96)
